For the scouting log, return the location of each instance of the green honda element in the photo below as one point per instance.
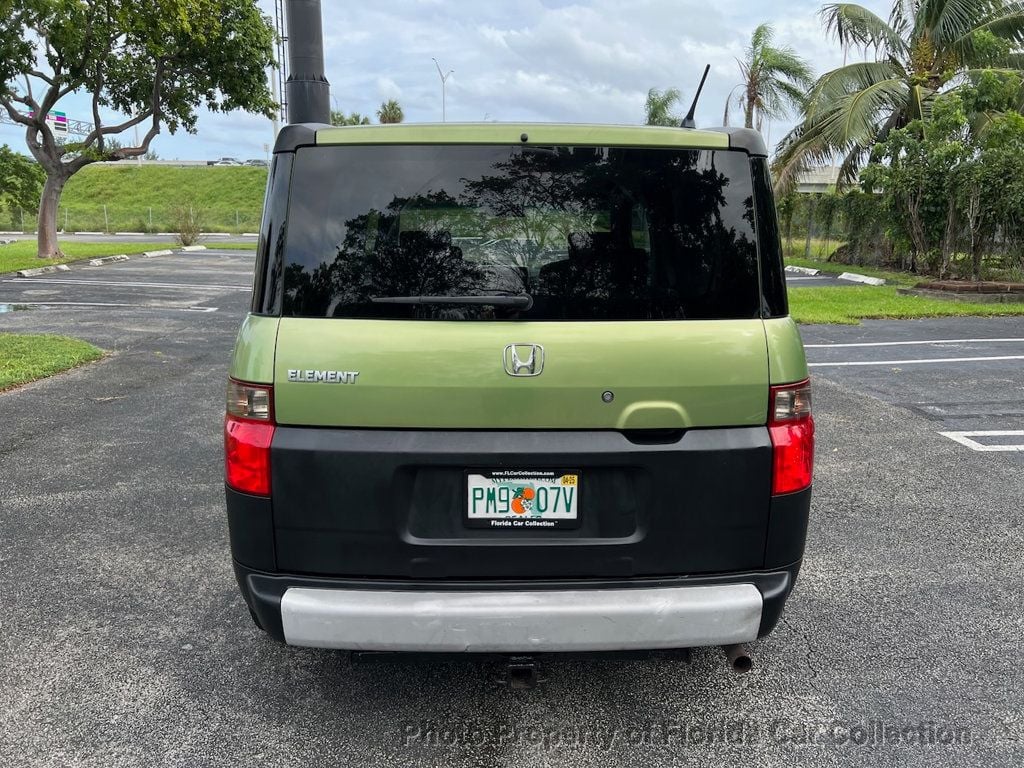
(518, 389)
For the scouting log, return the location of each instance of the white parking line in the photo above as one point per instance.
(129, 284)
(915, 362)
(912, 343)
(105, 304)
(964, 438)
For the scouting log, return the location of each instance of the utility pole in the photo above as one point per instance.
(444, 82)
(307, 91)
(276, 96)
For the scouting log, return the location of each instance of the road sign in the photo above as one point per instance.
(58, 122)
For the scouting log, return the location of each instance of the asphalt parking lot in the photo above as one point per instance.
(966, 375)
(124, 641)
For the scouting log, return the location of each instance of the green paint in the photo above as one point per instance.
(450, 375)
(253, 360)
(544, 134)
(787, 362)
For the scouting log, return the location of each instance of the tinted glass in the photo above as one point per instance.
(266, 293)
(773, 278)
(586, 233)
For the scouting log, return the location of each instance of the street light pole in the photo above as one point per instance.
(444, 81)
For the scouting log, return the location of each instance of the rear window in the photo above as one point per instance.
(546, 233)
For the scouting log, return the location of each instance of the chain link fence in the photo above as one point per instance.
(145, 219)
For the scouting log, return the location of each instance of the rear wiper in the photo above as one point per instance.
(523, 302)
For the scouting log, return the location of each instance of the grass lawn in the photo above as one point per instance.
(850, 305)
(27, 357)
(22, 254)
(229, 198)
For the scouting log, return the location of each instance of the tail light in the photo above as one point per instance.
(248, 431)
(791, 427)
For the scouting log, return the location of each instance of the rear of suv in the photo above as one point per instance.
(518, 389)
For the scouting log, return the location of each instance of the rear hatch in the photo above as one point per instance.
(573, 323)
(452, 375)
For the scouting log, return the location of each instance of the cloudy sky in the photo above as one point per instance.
(529, 60)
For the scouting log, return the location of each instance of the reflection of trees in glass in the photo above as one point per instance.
(378, 259)
(531, 202)
(590, 233)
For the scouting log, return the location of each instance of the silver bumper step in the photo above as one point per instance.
(522, 621)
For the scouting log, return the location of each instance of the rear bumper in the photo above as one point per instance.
(516, 617)
(518, 622)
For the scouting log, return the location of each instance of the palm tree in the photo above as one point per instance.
(774, 80)
(659, 107)
(353, 118)
(390, 112)
(926, 47)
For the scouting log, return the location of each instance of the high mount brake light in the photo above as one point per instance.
(248, 432)
(791, 427)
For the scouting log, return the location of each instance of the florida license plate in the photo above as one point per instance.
(523, 499)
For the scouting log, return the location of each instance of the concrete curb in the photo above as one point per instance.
(43, 270)
(151, 254)
(803, 271)
(853, 277)
(250, 234)
(108, 259)
(964, 298)
(192, 248)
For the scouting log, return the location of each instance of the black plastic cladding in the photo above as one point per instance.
(403, 518)
(297, 135)
(745, 139)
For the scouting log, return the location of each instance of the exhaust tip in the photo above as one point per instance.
(739, 658)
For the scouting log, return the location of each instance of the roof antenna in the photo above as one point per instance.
(689, 121)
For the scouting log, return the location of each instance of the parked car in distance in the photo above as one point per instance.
(227, 161)
(519, 389)
(256, 163)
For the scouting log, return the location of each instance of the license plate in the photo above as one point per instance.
(523, 499)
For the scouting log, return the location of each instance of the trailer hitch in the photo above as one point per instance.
(522, 672)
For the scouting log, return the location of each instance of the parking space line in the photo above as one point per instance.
(964, 438)
(106, 304)
(847, 364)
(131, 284)
(912, 343)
